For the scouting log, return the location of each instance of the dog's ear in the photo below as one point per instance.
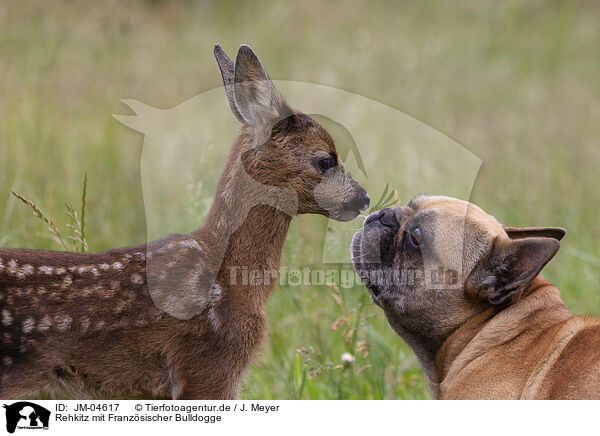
(531, 232)
(509, 265)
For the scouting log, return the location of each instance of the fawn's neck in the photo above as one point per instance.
(246, 229)
(254, 251)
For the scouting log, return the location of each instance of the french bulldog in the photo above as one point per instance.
(467, 295)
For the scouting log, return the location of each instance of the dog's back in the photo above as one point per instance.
(572, 368)
(534, 349)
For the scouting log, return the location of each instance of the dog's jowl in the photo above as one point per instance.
(467, 295)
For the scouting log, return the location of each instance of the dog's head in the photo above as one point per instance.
(433, 263)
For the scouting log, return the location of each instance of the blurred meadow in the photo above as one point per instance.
(515, 83)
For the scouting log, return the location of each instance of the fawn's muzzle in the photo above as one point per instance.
(339, 196)
(360, 202)
(352, 208)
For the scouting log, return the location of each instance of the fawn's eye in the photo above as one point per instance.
(416, 238)
(326, 163)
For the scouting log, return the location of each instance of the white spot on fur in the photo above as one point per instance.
(89, 269)
(227, 193)
(105, 292)
(28, 325)
(1, 265)
(216, 291)
(99, 325)
(137, 279)
(164, 249)
(25, 270)
(113, 288)
(12, 267)
(120, 307)
(45, 323)
(105, 267)
(213, 319)
(215, 296)
(60, 271)
(7, 318)
(67, 281)
(140, 256)
(141, 322)
(56, 295)
(121, 324)
(63, 322)
(190, 243)
(48, 270)
(85, 324)
(117, 265)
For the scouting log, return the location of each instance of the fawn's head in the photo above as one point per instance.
(287, 148)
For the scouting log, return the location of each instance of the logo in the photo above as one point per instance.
(26, 415)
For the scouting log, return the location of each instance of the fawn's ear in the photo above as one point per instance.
(530, 232)
(256, 99)
(227, 73)
(510, 265)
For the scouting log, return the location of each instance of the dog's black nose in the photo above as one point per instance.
(386, 217)
(360, 202)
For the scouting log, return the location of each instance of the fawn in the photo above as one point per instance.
(170, 318)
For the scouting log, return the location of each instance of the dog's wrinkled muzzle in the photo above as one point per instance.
(373, 249)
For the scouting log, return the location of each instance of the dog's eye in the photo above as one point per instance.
(416, 237)
(326, 163)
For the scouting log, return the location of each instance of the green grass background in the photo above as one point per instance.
(516, 82)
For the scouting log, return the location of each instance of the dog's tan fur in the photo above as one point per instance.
(483, 339)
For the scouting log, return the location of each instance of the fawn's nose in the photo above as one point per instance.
(360, 202)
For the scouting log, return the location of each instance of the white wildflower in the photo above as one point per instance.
(347, 358)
